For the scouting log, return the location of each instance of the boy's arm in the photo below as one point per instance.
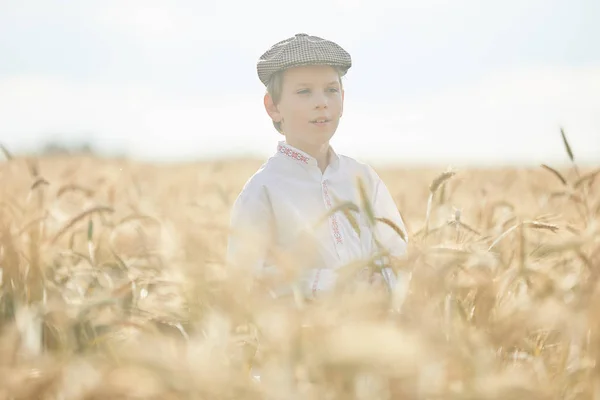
(250, 230)
(394, 243)
(385, 207)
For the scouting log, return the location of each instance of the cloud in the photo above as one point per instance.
(512, 115)
(134, 118)
(255, 24)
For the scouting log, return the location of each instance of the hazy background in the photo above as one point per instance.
(459, 82)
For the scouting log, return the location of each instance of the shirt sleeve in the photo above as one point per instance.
(393, 242)
(251, 231)
(385, 207)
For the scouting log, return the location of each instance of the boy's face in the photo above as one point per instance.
(310, 106)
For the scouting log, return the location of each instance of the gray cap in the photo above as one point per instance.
(300, 50)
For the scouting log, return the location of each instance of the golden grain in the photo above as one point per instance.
(135, 300)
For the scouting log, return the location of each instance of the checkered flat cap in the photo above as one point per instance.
(300, 50)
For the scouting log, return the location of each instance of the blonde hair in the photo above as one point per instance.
(275, 88)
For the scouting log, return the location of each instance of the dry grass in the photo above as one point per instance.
(113, 287)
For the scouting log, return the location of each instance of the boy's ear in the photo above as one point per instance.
(271, 108)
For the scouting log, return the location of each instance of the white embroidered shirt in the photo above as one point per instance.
(284, 206)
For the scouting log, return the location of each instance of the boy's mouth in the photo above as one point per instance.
(320, 121)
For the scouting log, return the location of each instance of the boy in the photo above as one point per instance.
(283, 204)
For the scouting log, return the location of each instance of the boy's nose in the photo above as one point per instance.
(320, 101)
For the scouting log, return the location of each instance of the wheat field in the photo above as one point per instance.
(113, 287)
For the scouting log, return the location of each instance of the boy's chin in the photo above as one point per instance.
(323, 135)
(311, 137)
(320, 140)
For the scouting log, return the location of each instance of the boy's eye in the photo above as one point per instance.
(305, 91)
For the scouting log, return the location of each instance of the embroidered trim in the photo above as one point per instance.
(314, 286)
(334, 222)
(292, 153)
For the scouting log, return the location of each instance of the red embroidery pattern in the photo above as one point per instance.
(314, 286)
(334, 221)
(292, 153)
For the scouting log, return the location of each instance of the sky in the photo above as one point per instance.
(460, 82)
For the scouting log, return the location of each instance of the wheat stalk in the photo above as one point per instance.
(435, 185)
(500, 302)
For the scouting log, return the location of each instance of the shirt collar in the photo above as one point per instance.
(298, 156)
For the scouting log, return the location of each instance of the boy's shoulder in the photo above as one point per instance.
(358, 168)
(260, 176)
(265, 175)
